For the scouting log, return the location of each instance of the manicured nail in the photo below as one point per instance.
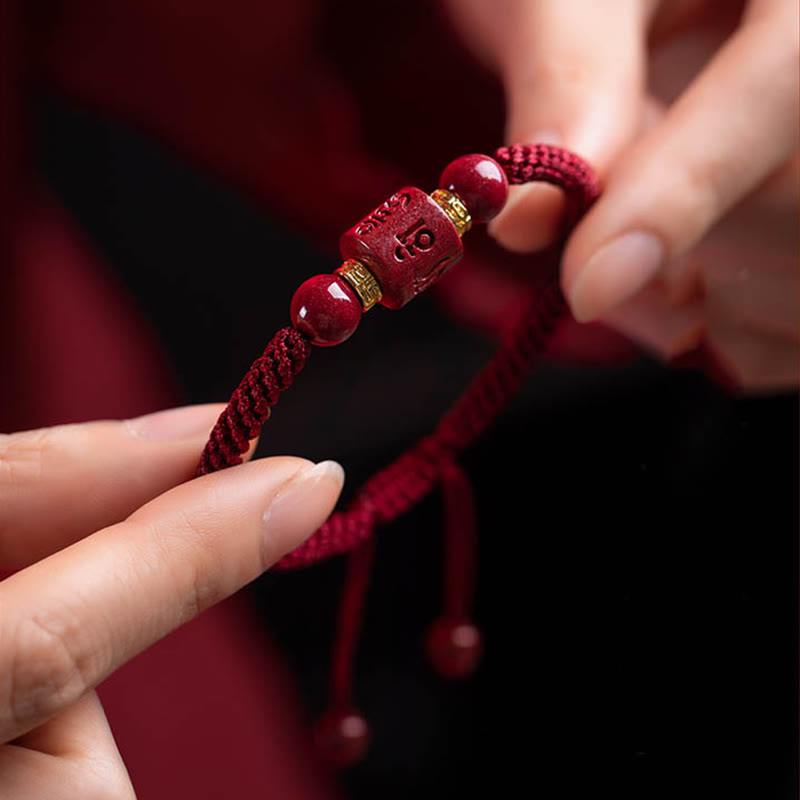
(617, 271)
(175, 423)
(544, 137)
(302, 503)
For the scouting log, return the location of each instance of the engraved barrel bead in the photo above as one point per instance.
(407, 243)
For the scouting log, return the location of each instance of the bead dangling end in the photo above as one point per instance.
(454, 647)
(342, 737)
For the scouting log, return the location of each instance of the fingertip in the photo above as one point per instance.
(612, 274)
(530, 221)
(184, 422)
(300, 507)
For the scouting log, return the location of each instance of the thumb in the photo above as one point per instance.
(573, 78)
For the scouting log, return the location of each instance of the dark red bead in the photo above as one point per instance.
(326, 310)
(454, 647)
(407, 243)
(480, 182)
(342, 737)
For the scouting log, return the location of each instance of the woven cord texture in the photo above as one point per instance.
(250, 404)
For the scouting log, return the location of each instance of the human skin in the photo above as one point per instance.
(688, 110)
(115, 547)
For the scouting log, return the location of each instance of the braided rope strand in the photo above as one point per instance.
(251, 402)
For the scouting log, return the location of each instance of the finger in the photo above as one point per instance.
(58, 484)
(755, 363)
(79, 731)
(574, 75)
(72, 755)
(664, 329)
(752, 313)
(69, 620)
(734, 125)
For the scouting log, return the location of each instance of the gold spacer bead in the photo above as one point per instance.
(362, 281)
(454, 207)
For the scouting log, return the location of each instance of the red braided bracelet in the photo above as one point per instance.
(393, 254)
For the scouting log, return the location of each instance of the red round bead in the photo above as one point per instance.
(454, 647)
(480, 182)
(342, 737)
(326, 310)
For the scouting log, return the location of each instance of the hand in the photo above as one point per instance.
(690, 115)
(83, 604)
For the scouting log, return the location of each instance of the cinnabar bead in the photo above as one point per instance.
(480, 182)
(342, 737)
(454, 647)
(326, 310)
(408, 243)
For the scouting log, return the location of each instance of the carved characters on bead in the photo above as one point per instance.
(398, 201)
(416, 238)
(408, 243)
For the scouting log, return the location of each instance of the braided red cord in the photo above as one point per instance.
(348, 624)
(524, 163)
(399, 486)
(460, 545)
(250, 404)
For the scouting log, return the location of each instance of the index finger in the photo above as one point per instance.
(67, 622)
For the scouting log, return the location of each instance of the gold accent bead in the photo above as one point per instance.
(362, 281)
(454, 207)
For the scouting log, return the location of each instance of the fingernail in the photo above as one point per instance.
(617, 271)
(303, 503)
(551, 136)
(175, 423)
